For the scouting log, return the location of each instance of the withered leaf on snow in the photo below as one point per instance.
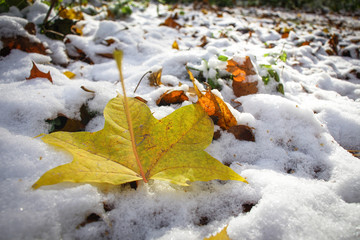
(214, 106)
(36, 73)
(155, 78)
(170, 22)
(241, 85)
(172, 97)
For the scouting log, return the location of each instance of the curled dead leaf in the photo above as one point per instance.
(172, 97)
(155, 78)
(214, 106)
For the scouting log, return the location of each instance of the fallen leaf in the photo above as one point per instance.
(285, 35)
(170, 22)
(242, 132)
(134, 145)
(241, 86)
(203, 41)
(30, 28)
(214, 106)
(170, 149)
(63, 123)
(247, 66)
(172, 97)
(175, 45)
(36, 73)
(222, 235)
(155, 78)
(69, 74)
(21, 43)
(70, 14)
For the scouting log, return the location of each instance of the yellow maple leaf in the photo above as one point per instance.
(134, 145)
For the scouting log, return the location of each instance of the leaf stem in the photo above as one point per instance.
(118, 54)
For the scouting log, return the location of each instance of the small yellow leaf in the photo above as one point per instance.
(69, 74)
(222, 235)
(70, 14)
(175, 45)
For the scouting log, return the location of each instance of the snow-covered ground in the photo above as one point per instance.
(303, 183)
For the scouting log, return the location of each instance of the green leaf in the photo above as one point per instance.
(280, 88)
(266, 79)
(283, 56)
(223, 58)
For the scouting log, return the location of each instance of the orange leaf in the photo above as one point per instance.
(239, 71)
(215, 107)
(234, 67)
(172, 97)
(21, 43)
(36, 73)
(170, 22)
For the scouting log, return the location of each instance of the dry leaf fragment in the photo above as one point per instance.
(242, 132)
(172, 97)
(36, 73)
(69, 74)
(222, 235)
(21, 43)
(155, 78)
(175, 45)
(170, 22)
(141, 99)
(204, 41)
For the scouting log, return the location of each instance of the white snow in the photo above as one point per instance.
(303, 183)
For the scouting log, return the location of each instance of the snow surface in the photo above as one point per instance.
(303, 183)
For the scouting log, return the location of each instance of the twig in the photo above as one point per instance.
(141, 80)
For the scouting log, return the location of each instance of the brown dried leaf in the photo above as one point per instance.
(215, 107)
(242, 132)
(170, 22)
(203, 41)
(155, 78)
(36, 73)
(23, 44)
(172, 97)
(241, 86)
